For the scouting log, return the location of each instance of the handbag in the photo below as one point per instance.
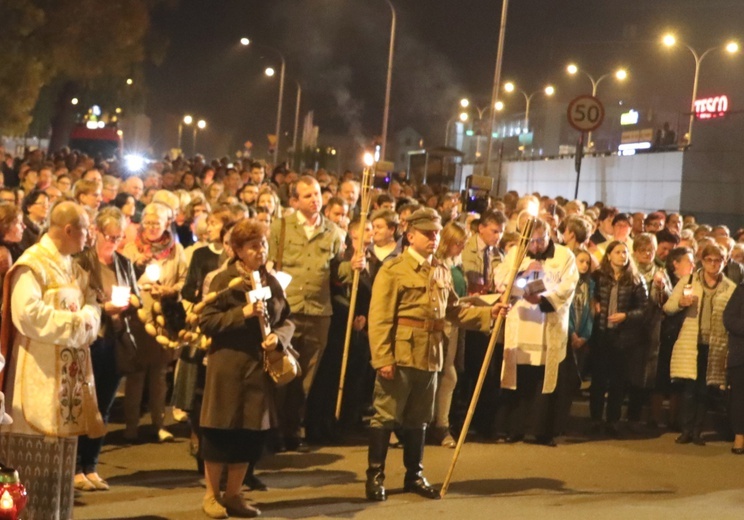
(282, 365)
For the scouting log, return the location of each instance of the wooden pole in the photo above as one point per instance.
(365, 188)
(524, 241)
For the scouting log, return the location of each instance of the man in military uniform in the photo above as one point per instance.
(411, 297)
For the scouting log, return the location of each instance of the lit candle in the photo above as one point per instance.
(120, 295)
(153, 272)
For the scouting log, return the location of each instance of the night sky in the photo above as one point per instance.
(337, 50)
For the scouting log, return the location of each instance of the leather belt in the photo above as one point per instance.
(427, 325)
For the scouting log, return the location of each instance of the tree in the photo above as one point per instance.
(65, 44)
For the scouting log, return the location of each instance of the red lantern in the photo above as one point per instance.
(13, 496)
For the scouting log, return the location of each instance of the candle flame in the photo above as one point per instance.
(532, 208)
(6, 501)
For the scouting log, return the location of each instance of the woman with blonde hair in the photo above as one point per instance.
(451, 244)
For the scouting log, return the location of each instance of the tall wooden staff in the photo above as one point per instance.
(367, 176)
(524, 241)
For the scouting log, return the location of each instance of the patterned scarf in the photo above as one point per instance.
(160, 249)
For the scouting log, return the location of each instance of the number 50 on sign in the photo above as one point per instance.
(585, 113)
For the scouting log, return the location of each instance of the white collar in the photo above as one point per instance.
(303, 221)
(420, 259)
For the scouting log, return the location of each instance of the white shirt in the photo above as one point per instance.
(308, 226)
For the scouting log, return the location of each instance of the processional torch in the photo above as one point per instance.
(521, 251)
(367, 176)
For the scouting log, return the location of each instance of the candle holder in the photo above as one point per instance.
(13, 495)
(120, 295)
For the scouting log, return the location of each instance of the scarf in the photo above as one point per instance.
(160, 249)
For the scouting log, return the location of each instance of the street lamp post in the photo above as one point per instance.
(496, 85)
(200, 125)
(388, 83)
(620, 75)
(296, 124)
(245, 42)
(731, 47)
(548, 91)
(187, 120)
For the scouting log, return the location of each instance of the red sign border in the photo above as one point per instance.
(576, 100)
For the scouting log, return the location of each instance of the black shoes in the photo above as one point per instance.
(420, 486)
(374, 489)
(379, 440)
(297, 444)
(737, 451)
(688, 437)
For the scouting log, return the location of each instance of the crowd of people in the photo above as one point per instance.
(642, 311)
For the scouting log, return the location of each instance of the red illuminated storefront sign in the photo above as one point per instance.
(708, 108)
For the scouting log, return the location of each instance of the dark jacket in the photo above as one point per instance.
(238, 394)
(125, 275)
(632, 299)
(733, 320)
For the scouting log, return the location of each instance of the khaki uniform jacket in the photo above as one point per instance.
(472, 261)
(310, 263)
(405, 289)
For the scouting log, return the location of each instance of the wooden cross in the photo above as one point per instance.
(260, 293)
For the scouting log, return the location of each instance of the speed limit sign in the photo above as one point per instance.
(585, 113)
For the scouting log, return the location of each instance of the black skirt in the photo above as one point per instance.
(232, 446)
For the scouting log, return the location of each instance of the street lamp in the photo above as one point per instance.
(548, 91)
(464, 102)
(669, 40)
(619, 74)
(200, 125)
(388, 82)
(187, 120)
(270, 73)
(494, 98)
(246, 42)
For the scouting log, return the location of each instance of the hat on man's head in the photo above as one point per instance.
(425, 219)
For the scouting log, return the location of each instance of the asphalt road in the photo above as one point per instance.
(637, 477)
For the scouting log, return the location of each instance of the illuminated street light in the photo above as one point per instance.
(463, 116)
(619, 74)
(464, 102)
(510, 87)
(200, 125)
(270, 71)
(246, 42)
(187, 120)
(499, 106)
(75, 101)
(669, 40)
(130, 81)
(118, 110)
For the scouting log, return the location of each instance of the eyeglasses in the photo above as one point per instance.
(112, 238)
(713, 260)
(152, 224)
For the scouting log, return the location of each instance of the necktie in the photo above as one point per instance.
(486, 265)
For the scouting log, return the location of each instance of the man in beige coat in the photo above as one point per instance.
(305, 245)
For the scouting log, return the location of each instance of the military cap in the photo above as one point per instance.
(425, 219)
